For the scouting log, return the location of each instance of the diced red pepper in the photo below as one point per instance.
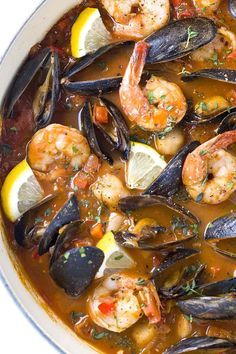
(35, 254)
(232, 55)
(81, 180)
(106, 308)
(101, 114)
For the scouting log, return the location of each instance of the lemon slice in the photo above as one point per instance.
(88, 33)
(20, 191)
(143, 166)
(116, 257)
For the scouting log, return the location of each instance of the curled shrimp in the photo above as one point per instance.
(137, 18)
(209, 172)
(57, 150)
(157, 107)
(121, 300)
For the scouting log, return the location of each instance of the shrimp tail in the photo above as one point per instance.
(135, 67)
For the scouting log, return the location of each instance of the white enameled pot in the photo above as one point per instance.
(33, 305)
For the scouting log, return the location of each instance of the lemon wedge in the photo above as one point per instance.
(116, 257)
(20, 191)
(88, 33)
(143, 166)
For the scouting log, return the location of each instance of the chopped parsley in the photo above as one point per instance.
(191, 34)
(74, 149)
(38, 220)
(82, 252)
(150, 96)
(120, 256)
(48, 212)
(141, 281)
(98, 335)
(76, 316)
(199, 198)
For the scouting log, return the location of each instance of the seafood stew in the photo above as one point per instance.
(118, 173)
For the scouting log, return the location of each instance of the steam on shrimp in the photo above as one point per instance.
(121, 300)
(158, 106)
(57, 150)
(137, 18)
(209, 172)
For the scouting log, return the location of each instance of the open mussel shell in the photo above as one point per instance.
(225, 75)
(68, 213)
(170, 179)
(136, 202)
(173, 258)
(94, 135)
(222, 228)
(200, 343)
(75, 269)
(123, 142)
(232, 7)
(93, 87)
(209, 308)
(195, 119)
(226, 286)
(67, 235)
(47, 93)
(89, 59)
(27, 232)
(172, 41)
(227, 124)
(25, 75)
(103, 143)
(186, 285)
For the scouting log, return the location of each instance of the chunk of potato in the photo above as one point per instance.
(144, 333)
(171, 143)
(184, 327)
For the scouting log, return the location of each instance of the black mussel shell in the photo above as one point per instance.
(100, 140)
(129, 240)
(123, 141)
(75, 269)
(170, 179)
(93, 87)
(68, 213)
(136, 202)
(172, 258)
(172, 41)
(68, 233)
(194, 119)
(225, 75)
(187, 284)
(25, 75)
(226, 286)
(27, 233)
(94, 135)
(199, 343)
(232, 7)
(46, 95)
(220, 229)
(209, 308)
(227, 124)
(88, 59)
